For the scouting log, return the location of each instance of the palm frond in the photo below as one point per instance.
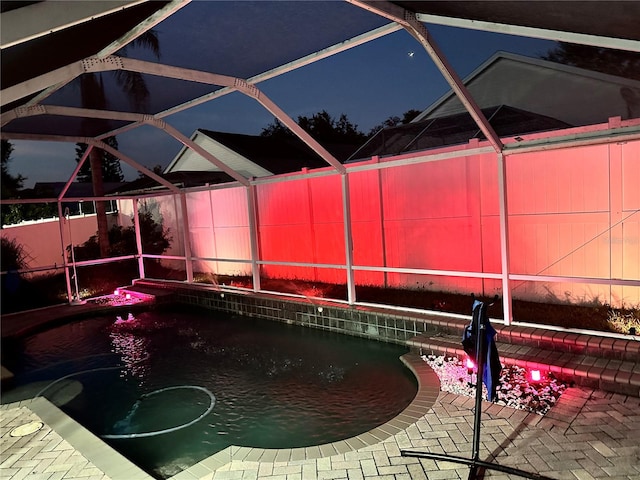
(135, 87)
(150, 41)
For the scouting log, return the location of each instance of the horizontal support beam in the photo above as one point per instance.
(533, 32)
(43, 18)
(43, 137)
(561, 279)
(60, 75)
(422, 271)
(621, 134)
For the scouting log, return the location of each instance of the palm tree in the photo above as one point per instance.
(93, 96)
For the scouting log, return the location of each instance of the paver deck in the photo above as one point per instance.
(588, 435)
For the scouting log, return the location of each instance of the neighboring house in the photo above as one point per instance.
(252, 155)
(453, 129)
(517, 95)
(570, 94)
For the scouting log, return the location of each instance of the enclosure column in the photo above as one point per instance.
(504, 238)
(348, 238)
(383, 239)
(253, 236)
(64, 253)
(136, 227)
(186, 234)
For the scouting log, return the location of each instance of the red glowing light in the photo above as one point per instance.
(535, 375)
(116, 292)
(470, 364)
(128, 296)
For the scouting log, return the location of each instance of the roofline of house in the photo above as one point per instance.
(181, 152)
(499, 55)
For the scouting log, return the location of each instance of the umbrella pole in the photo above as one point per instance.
(475, 464)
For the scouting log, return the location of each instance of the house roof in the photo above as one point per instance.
(279, 155)
(578, 96)
(76, 189)
(181, 179)
(454, 129)
(270, 155)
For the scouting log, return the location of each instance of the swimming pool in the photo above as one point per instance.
(169, 388)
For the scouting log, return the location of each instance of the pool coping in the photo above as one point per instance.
(118, 467)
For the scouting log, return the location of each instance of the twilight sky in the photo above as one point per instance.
(368, 83)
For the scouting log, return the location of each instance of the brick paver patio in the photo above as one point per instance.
(589, 434)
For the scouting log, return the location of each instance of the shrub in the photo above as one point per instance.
(122, 240)
(14, 255)
(18, 293)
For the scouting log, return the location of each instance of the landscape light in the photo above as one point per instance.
(470, 364)
(535, 375)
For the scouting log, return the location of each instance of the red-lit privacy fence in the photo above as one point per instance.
(433, 221)
(540, 223)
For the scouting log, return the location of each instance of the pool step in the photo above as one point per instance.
(159, 295)
(5, 375)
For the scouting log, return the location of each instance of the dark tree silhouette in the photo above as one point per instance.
(394, 121)
(321, 126)
(614, 62)
(9, 185)
(12, 187)
(157, 169)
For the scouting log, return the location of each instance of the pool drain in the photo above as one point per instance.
(26, 429)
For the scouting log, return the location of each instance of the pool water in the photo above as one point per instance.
(170, 388)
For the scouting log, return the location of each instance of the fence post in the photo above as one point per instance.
(504, 239)
(253, 236)
(64, 252)
(186, 236)
(136, 224)
(348, 238)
